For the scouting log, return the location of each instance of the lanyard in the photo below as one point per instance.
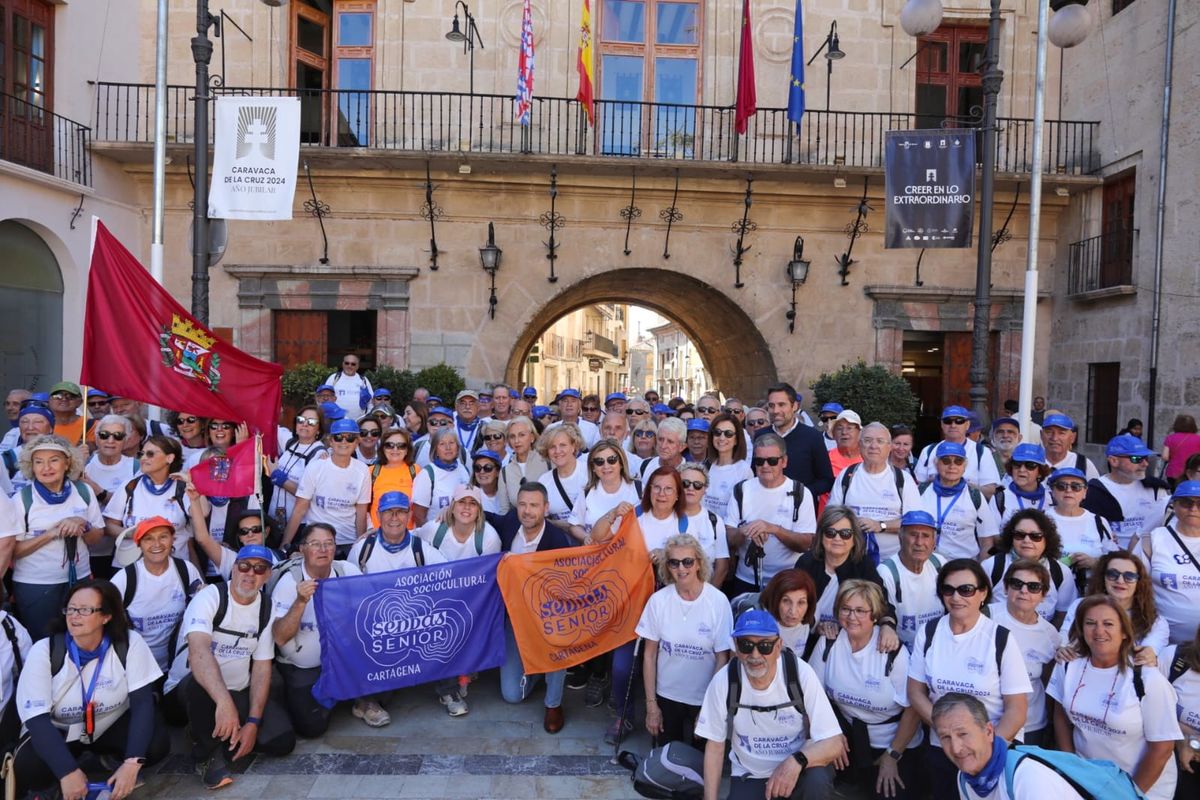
(88, 690)
(943, 514)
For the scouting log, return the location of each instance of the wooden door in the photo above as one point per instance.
(300, 336)
(1116, 244)
(956, 370)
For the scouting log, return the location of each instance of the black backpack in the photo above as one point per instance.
(848, 475)
(791, 679)
(58, 652)
(264, 615)
(10, 632)
(797, 495)
(180, 492)
(1001, 642)
(368, 547)
(1000, 564)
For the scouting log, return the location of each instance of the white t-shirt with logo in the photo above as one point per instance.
(591, 506)
(721, 480)
(1142, 511)
(232, 652)
(61, 695)
(110, 477)
(1056, 599)
(1187, 689)
(304, 649)
(962, 524)
(874, 496)
(561, 503)
(979, 472)
(919, 601)
(656, 531)
(334, 493)
(348, 389)
(48, 564)
(1176, 577)
(147, 504)
(158, 604)
(433, 487)
(1109, 721)
(1083, 534)
(455, 550)
(712, 538)
(774, 506)
(966, 663)
(24, 642)
(689, 633)
(1038, 644)
(763, 739)
(11, 515)
(381, 560)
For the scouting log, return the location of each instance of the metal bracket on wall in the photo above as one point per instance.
(630, 212)
(552, 221)
(917, 281)
(854, 230)
(1005, 233)
(670, 215)
(741, 228)
(317, 209)
(77, 211)
(432, 212)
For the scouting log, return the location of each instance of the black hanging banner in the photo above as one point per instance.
(930, 188)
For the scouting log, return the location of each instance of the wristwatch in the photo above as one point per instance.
(895, 755)
(882, 526)
(801, 759)
(1194, 742)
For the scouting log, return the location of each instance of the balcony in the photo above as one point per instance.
(450, 122)
(598, 346)
(1102, 266)
(44, 141)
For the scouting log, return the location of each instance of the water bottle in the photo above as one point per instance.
(98, 791)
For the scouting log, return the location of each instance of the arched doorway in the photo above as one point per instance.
(726, 337)
(31, 314)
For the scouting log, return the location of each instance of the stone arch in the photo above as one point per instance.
(729, 342)
(31, 328)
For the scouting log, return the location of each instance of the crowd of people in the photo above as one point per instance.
(834, 604)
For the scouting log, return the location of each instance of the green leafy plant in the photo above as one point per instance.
(875, 393)
(442, 380)
(400, 382)
(300, 381)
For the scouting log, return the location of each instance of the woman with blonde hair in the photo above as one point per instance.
(523, 462)
(561, 446)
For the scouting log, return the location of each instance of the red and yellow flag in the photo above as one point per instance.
(585, 64)
(571, 605)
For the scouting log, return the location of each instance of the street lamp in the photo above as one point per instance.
(1070, 24)
(489, 259)
(797, 273)
(455, 34)
(834, 53)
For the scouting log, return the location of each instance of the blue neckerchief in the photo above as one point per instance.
(80, 658)
(157, 491)
(466, 426)
(218, 501)
(448, 466)
(51, 497)
(1036, 497)
(985, 782)
(948, 491)
(394, 548)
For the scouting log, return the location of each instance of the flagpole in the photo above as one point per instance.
(160, 143)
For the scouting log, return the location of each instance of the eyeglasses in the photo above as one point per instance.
(1016, 585)
(251, 530)
(600, 461)
(440, 423)
(395, 446)
(676, 563)
(311, 422)
(1137, 459)
(696, 485)
(81, 611)
(486, 469)
(770, 461)
(591, 408)
(322, 545)
(221, 426)
(707, 409)
(662, 489)
(1068, 486)
(1187, 502)
(737, 412)
(756, 423)
(847, 611)
(724, 433)
(1032, 466)
(149, 453)
(644, 434)
(954, 420)
(106, 435)
(370, 433)
(965, 590)
(846, 534)
(97, 403)
(349, 363)
(829, 418)
(763, 646)
(1033, 536)
(493, 437)
(345, 437)
(636, 412)
(1118, 575)
(63, 396)
(956, 461)
(259, 567)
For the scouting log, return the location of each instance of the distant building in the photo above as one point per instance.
(586, 349)
(642, 363)
(681, 371)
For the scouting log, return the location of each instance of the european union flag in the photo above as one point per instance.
(795, 108)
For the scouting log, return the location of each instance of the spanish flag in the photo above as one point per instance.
(586, 62)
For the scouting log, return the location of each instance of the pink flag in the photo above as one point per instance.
(230, 475)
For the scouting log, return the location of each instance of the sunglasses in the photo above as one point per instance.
(956, 461)
(1137, 459)
(258, 567)
(63, 396)
(1118, 575)
(756, 423)
(395, 446)
(676, 563)
(591, 408)
(644, 434)
(707, 409)
(309, 421)
(188, 420)
(770, 461)
(486, 469)
(494, 437)
(600, 461)
(1068, 486)
(737, 412)
(724, 433)
(97, 403)
(965, 590)
(1187, 502)
(1032, 466)
(106, 435)
(697, 485)
(631, 412)
(764, 646)
(846, 534)
(1033, 536)
(349, 363)
(370, 433)
(251, 530)
(345, 437)
(954, 420)
(439, 423)
(829, 418)
(221, 426)
(1016, 585)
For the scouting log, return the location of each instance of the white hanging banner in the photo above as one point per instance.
(255, 158)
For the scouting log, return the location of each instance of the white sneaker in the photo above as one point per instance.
(455, 705)
(371, 713)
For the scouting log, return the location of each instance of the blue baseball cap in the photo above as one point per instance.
(324, 387)
(1066, 472)
(488, 454)
(918, 518)
(255, 551)
(529, 391)
(332, 411)
(540, 411)
(485, 393)
(1058, 421)
(663, 408)
(344, 426)
(973, 422)
(832, 408)
(755, 623)
(998, 421)
(514, 394)
(568, 393)
(1187, 489)
(950, 449)
(615, 396)
(445, 412)
(955, 411)
(697, 424)
(382, 393)
(390, 500)
(96, 393)
(433, 400)
(1029, 452)
(1127, 445)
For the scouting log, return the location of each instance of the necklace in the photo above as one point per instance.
(1107, 702)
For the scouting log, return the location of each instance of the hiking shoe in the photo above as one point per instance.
(215, 772)
(371, 713)
(577, 677)
(597, 691)
(455, 705)
(618, 730)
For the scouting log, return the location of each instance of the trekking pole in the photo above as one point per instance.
(637, 648)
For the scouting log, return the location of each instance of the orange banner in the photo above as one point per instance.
(570, 605)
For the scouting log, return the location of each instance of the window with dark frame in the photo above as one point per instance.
(1104, 382)
(333, 67)
(949, 91)
(1120, 5)
(27, 83)
(1117, 231)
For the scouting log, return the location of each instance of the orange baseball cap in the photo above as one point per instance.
(147, 525)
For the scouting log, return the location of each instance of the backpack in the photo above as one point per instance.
(264, 615)
(188, 594)
(293, 566)
(180, 491)
(887, 668)
(1178, 667)
(71, 543)
(682, 521)
(440, 536)
(976, 495)
(848, 475)
(1001, 642)
(791, 679)
(287, 449)
(10, 632)
(58, 652)
(364, 555)
(674, 771)
(797, 495)
(1000, 564)
(1093, 779)
(10, 461)
(890, 565)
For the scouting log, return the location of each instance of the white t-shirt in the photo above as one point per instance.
(455, 550)
(874, 496)
(334, 493)
(966, 663)
(6, 656)
(860, 685)
(1070, 462)
(433, 487)
(961, 524)
(591, 506)
(712, 538)
(979, 472)
(11, 515)
(1031, 780)
(110, 477)
(763, 739)
(1013, 503)
(918, 602)
(293, 463)
(232, 652)
(721, 480)
(1187, 689)
(61, 696)
(589, 430)
(773, 506)
(1176, 578)
(1156, 639)
(147, 504)
(304, 649)
(689, 633)
(795, 637)
(561, 502)
(381, 560)
(1038, 644)
(48, 564)
(656, 531)
(1109, 721)
(348, 389)
(1057, 598)
(1085, 533)
(1141, 509)
(158, 604)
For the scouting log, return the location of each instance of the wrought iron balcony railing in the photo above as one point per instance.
(1102, 262)
(485, 123)
(42, 140)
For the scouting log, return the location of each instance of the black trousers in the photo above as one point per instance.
(814, 784)
(275, 734)
(309, 718)
(679, 721)
(32, 773)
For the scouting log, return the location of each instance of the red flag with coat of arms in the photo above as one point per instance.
(228, 475)
(138, 342)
